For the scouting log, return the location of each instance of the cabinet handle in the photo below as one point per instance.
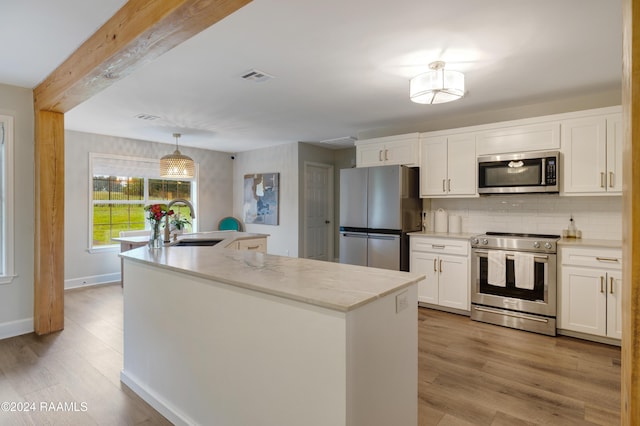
(610, 179)
(443, 188)
(253, 247)
(440, 265)
(386, 154)
(380, 155)
(435, 265)
(611, 285)
(437, 246)
(601, 284)
(602, 178)
(607, 259)
(449, 185)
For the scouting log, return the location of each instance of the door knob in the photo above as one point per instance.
(327, 221)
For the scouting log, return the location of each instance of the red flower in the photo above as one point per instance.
(157, 212)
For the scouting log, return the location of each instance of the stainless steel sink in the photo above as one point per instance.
(196, 242)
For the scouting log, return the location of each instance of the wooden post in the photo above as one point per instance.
(49, 229)
(631, 215)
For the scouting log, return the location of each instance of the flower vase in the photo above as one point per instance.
(155, 239)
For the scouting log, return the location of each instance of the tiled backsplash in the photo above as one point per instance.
(596, 217)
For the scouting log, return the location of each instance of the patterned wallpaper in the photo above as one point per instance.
(215, 194)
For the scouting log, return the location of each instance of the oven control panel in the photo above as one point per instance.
(509, 241)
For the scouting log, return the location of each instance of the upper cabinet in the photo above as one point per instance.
(592, 155)
(401, 150)
(614, 153)
(533, 137)
(448, 166)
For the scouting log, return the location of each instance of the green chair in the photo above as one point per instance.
(230, 224)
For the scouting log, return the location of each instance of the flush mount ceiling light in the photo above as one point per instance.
(437, 86)
(177, 165)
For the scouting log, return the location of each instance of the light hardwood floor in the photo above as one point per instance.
(469, 372)
(481, 374)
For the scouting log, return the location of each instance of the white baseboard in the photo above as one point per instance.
(16, 328)
(162, 406)
(92, 280)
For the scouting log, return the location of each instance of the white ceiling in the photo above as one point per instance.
(340, 67)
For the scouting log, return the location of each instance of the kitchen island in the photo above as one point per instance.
(230, 337)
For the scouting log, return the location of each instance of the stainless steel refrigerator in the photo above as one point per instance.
(378, 206)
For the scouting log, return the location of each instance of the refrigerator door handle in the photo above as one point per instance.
(384, 237)
(350, 235)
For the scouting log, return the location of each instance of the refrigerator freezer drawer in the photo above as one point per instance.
(353, 248)
(383, 251)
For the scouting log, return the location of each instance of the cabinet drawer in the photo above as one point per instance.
(592, 257)
(256, 244)
(440, 245)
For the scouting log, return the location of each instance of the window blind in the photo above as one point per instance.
(116, 165)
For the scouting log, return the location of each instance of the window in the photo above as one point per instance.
(121, 187)
(6, 197)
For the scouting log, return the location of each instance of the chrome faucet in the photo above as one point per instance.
(166, 218)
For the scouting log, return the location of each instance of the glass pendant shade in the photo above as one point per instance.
(437, 86)
(177, 165)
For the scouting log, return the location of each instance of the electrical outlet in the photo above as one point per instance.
(402, 302)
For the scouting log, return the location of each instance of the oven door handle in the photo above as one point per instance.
(509, 256)
(510, 314)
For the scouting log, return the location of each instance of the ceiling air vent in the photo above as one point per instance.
(147, 117)
(256, 75)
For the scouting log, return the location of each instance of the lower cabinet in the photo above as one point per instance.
(445, 262)
(254, 244)
(591, 292)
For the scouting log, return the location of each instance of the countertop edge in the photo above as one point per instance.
(580, 242)
(450, 235)
(368, 297)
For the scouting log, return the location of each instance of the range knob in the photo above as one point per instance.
(474, 240)
(485, 241)
(536, 244)
(547, 245)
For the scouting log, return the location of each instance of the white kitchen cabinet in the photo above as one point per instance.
(448, 166)
(614, 153)
(591, 292)
(401, 150)
(445, 263)
(592, 155)
(251, 244)
(522, 138)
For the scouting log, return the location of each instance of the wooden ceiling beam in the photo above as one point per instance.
(139, 32)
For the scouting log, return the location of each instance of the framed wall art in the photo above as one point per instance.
(260, 204)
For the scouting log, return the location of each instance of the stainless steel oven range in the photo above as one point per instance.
(497, 297)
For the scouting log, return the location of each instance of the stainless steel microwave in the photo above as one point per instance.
(523, 172)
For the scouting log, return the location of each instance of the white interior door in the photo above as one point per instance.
(318, 211)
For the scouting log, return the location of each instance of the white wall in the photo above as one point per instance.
(83, 268)
(596, 217)
(16, 299)
(283, 159)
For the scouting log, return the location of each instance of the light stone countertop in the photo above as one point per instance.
(227, 237)
(580, 242)
(329, 285)
(459, 236)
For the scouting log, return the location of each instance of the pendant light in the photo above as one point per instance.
(177, 165)
(437, 86)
